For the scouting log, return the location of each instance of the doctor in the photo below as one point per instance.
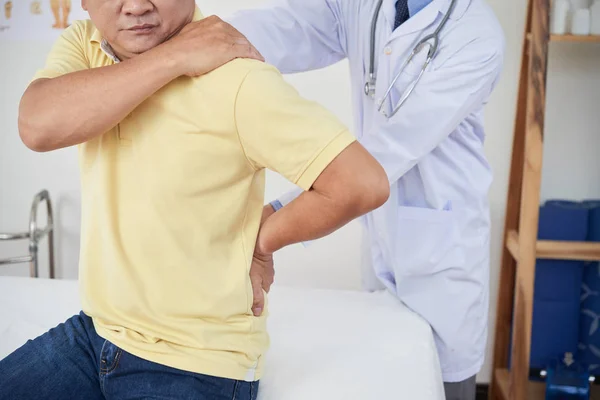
(429, 243)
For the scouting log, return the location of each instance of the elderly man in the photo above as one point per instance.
(173, 169)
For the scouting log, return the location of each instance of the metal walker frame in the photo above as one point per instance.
(34, 235)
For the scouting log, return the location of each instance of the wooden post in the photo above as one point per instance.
(504, 308)
(530, 200)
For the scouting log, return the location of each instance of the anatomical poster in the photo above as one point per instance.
(37, 19)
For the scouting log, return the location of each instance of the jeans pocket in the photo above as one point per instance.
(109, 357)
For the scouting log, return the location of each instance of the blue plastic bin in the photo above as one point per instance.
(556, 305)
(567, 380)
(589, 336)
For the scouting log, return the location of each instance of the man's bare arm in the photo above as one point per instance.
(351, 186)
(76, 107)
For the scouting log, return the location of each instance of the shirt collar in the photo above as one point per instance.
(425, 17)
(105, 46)
(414, 6)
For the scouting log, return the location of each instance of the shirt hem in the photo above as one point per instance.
(194, 364)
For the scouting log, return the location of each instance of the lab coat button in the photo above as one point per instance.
(388, 50)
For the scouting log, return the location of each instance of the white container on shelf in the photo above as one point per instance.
(595, 18)
(581, 22)
(560, 17)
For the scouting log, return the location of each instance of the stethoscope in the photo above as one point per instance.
(371, 80)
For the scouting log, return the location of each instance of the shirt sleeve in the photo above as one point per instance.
(284, 132)
(67, 54)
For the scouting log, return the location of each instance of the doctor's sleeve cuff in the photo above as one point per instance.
(276, 204)
(319, 163)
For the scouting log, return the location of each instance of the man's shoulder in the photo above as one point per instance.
(238, 70)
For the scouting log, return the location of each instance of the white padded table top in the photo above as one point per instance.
(325, 344)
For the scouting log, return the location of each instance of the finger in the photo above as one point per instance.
(255, 54)
(233, 31)
(212, 20)
(268, 279)
(243, 43)
(266, 285)
(259, 300)
(243, 49)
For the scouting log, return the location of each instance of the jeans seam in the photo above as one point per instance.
(117, 360)
(235, 389)
(106, 370)
(101, 373)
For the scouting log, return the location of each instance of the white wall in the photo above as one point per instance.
(571, 170)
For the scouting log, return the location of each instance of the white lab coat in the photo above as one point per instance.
(429, 243)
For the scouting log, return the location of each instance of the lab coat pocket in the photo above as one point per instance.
(427, 242)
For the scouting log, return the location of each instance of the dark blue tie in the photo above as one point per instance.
(402, 13)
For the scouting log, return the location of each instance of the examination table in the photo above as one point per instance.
(325, 344)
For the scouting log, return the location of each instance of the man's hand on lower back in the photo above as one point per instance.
(262, 271)
(205, 45)
(262, 275)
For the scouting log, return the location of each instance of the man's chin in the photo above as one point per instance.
(139, 46)
(132, 52)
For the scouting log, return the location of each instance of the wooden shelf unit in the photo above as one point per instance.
(514, 310)
(556, 250)
(575, 38)
(535, 390)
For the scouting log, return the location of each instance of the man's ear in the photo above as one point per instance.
(84, 5)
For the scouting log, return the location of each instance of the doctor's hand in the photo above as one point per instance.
(262, 271)
(205, 45)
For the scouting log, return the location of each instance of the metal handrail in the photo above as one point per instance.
(34, 235)
(14, 236)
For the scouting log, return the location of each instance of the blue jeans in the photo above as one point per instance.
(72, 362)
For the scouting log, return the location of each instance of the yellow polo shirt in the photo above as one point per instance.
(171, 203)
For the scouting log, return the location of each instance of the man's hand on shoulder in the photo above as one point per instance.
(205, 45)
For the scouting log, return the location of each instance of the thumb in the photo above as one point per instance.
(259, 299)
